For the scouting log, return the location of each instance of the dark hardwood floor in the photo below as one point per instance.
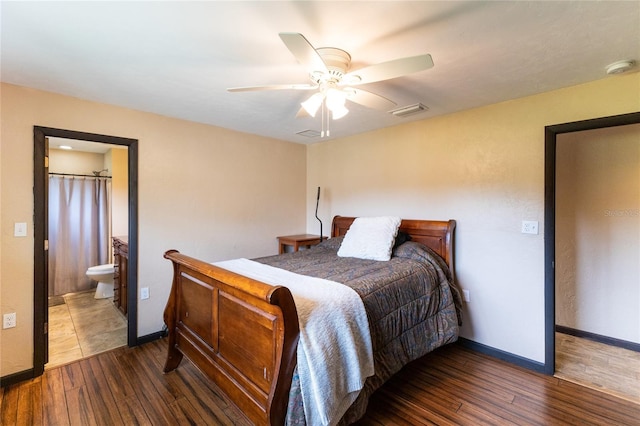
(452, 386)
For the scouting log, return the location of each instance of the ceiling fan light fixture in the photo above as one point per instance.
(328, 70)
(339, 112)
(335, 103)
(312, 104)
(335, 98)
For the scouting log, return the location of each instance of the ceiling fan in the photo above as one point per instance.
(329, 73)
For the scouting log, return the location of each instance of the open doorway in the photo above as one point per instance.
(87, 215)
(128, 273)
(597, 252)
(551, 219)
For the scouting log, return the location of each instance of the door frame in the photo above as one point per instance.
(550, 141)
(40, 231)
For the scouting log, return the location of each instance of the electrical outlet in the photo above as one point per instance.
(144, 293)
(9, 320)
(530, 227)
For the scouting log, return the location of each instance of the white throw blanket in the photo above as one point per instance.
(334, 352)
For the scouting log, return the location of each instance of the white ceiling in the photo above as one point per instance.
(178, 58)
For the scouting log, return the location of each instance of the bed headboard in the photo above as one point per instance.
(436, 234)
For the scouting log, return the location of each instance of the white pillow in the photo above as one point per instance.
(370, 238)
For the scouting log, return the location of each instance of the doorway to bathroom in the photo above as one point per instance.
(87, 208)
(85, 199)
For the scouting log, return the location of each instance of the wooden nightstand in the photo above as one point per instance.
(297, 241)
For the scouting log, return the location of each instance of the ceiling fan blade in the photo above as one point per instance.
(304, 52)
(371, 100)
(273, 87)
(388, 70)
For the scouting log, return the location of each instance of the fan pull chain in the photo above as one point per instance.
(328, 120)
(322, 122)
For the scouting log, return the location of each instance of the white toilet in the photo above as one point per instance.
(103, 274)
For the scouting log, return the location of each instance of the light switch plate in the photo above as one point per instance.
(20, 229)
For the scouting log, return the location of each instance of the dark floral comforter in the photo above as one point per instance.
(410, 302)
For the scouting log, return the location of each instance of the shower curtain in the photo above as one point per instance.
(79, 230)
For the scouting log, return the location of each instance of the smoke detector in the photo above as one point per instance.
(620, 67)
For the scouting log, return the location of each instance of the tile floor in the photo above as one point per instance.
(83, 326)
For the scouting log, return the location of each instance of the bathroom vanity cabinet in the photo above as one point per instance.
(120, 262)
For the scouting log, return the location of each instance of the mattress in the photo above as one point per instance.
(412, 305)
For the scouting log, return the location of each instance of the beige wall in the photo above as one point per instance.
(74, 162)
(206, 191)
(120, 192)
(483, 167)
(598, 232)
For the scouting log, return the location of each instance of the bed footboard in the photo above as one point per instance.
(240, 332)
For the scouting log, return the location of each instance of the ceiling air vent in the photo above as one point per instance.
(309, 133)
(409, 110)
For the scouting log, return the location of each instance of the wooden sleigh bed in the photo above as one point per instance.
(243, 334)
